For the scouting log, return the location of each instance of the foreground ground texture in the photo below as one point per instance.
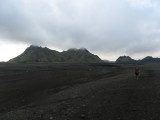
(79, 92)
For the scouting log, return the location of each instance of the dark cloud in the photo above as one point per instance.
(122, 27)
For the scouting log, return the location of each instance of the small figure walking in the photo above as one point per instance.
(136, 73)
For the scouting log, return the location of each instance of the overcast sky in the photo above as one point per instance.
(108, 28)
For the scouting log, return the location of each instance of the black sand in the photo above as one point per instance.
(79, 91)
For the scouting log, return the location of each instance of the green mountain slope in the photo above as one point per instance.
(38, 54)
(125, 59)
(35, 54)
(80, 55)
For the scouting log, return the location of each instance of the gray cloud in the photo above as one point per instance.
(124, 27)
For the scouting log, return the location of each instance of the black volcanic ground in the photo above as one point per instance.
(79, 92)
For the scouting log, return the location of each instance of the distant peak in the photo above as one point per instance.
(34, 46)
(124, 57)
(72, 49)
(75, 49)
(83, 49)
(149, 57)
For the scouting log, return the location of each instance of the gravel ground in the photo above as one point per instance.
(79, 92)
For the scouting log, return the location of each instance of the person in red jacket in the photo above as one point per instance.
(136, 73)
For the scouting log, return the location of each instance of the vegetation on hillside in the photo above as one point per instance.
(38, 54)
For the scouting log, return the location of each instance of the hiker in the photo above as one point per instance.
(136, 73)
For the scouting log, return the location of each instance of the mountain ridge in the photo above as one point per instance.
(129, 60)
(35, 54)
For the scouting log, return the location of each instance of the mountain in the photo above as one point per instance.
(35, 54)
(128, 60)
(150, 59)
(80, 55)
(125, 59)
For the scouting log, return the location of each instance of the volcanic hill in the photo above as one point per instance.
(129, 60)
(34, 54)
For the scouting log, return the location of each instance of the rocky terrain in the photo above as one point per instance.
(79, 92)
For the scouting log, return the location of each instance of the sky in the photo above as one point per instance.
(107, 28)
